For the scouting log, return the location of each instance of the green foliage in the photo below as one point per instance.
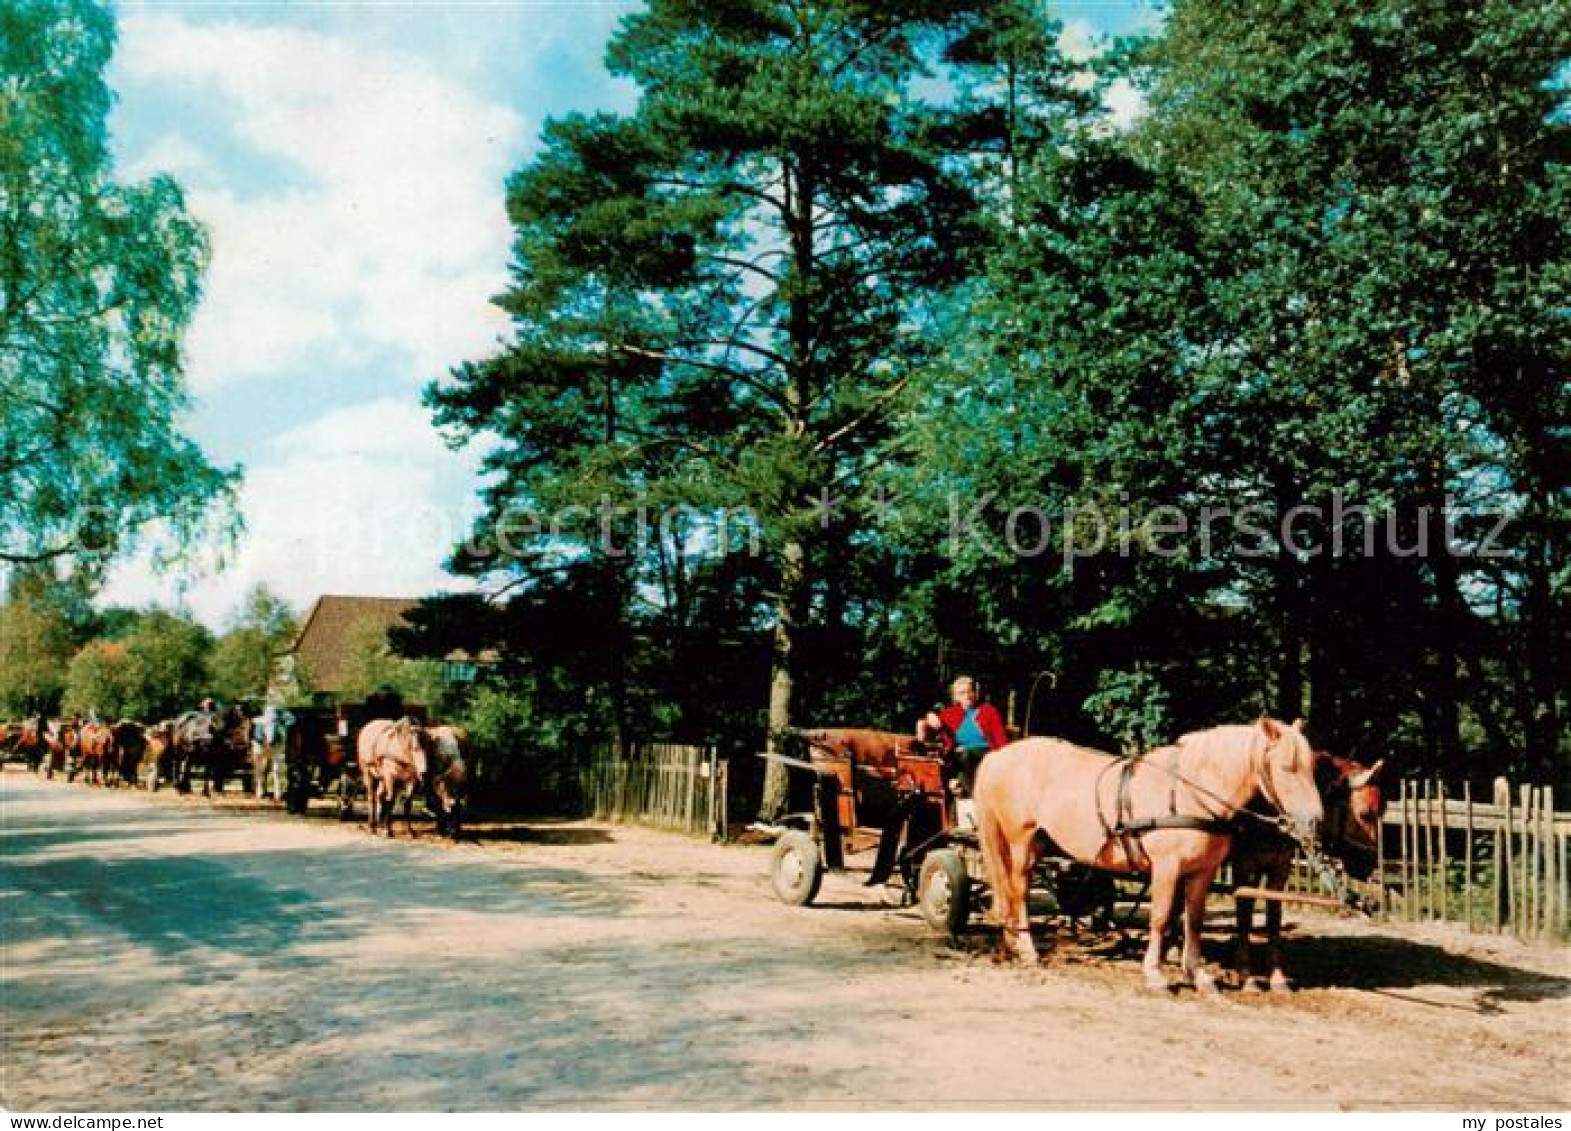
(1132, 707)
(1322, 271)
(243, 658)
(98, 281)
(839, 246)
(167, 659)
(37, 638)
(103, 679)
(718, 299)
(370, 664)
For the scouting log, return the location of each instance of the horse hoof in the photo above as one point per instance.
(1157, 983)
(1252, 985)
(1205, 985)
(1280, 984)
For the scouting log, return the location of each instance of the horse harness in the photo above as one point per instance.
(1128, 829)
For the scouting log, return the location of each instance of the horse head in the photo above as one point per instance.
(1355, 803)
(412, 744)
(1287, 774)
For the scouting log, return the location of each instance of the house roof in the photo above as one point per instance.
(322, 644)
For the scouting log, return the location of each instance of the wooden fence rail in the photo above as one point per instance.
(669, 786)
(1499, 865)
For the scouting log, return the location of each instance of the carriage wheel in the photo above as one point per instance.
(944, 891)
(797, 869)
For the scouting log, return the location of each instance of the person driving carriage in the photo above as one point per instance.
(966, 729)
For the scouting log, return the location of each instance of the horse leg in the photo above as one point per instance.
(1279, 982)
(409, 810)
(1243, 953)
(368, 781)
(1195, 893)
(1022, 856)
(1164, 887)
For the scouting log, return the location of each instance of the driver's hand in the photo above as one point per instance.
(932, 720)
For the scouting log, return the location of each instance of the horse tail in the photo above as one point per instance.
(996, 857)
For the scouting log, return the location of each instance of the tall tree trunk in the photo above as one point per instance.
(789, 606)
(1448, 622)
(1539, 620)
(791, 603)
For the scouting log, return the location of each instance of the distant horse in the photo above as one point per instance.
(130, 742)
(1263, 857)
(196, 738)
(32, 743)
(447, 783)
(99, 754)
(392, 756)
(157, 764)
(64, 742)
(1168, 814)
(212, 742)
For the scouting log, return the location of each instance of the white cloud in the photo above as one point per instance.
(352, 503)
(1124, 103)
(1077, 39)
(382, 227)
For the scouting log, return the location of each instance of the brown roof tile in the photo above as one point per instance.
(324, 638)
(328, 629)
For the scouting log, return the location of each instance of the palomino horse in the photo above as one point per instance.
(392, 756)
(447, 784)
(1263, 857)
(1167, 813)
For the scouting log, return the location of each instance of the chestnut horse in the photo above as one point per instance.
(64, 741)
(1263, 857)
(100, 756)
(1167, 813)
(392, 756)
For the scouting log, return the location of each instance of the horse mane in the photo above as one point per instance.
(1220, 747)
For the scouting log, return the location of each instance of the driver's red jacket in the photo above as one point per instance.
(987, 718)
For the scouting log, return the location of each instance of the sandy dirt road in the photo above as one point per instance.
(157, 953)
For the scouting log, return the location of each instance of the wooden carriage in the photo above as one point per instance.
(882, 799)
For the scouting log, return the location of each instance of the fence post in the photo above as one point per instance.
(1442, 827)
(1524, 886)
(1408, 871)
(1430, 788)
(1467, 852)
(1552, 868)
(1546, 860)
(1502, 853)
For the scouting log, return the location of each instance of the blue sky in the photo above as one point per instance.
(348, 160)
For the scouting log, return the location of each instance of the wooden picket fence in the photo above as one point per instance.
(1499, 865)
(668, 786)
